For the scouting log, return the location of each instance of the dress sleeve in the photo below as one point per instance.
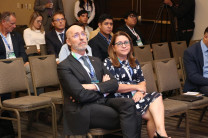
(76, 9)
(139, 76)
(107, 63)
(27, 36)
(92, 15)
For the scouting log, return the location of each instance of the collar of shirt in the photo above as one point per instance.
(78, 56)
(133, 31)
(7, 41)
(203, 47)
(59, 35)
(107, 40)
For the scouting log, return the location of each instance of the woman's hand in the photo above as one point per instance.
(106, 77)
(141, 87)
(138, 96)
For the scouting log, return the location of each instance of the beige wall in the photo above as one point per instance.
(23, 14)
(201, 20)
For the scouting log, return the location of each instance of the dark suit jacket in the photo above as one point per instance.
(53, 44)
(124, 28)
(18, 45)
(99, 47)
(194, 62)
(72, 75)
(39, 6)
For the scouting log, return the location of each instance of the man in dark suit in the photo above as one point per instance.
(101, 41)
(85, 82)
(56, 37)
(130, 28)
(196, 65)
(47, 8)
(11, 43)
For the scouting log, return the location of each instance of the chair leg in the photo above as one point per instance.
(61, 115)
(180, 119)
(187, 125)
(54, 123)
(31, 116)
(18, 123)
(202, 114)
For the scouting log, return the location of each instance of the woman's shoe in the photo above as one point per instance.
(158, 136)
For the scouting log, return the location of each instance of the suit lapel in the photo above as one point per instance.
(200, 58)
(78, 67)
(2, 47)
(14, 43)
(56, 38)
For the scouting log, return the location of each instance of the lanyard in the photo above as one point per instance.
(6, 41)
(127, 69)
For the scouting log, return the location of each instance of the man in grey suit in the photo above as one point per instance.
(47, 8)
(86, 82)
(196, 65)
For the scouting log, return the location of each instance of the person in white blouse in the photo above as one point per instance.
(87, 5)
(35, 34)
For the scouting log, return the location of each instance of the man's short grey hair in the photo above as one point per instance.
(5, 15)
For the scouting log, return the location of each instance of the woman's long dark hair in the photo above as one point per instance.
(82, 3)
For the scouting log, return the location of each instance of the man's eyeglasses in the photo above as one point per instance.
(77, 35)
(126, 43)
(58, 20)
(132, 16)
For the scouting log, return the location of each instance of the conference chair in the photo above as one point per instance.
(178, 48)
(193, 42)
(143, 54)
(171, 107)
(43, 50)
(44, 75)
(160, 50)
(168, 79)
(31, 50)
(13, 79)
(148, 73)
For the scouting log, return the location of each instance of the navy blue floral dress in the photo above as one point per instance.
(127, 75)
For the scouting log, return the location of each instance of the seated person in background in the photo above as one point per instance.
(196, 65)
(35, 34)
(130, 28)
(100, 42)
(126, 69)
(56, 37)
(87, 5)
(83, 18)
(85, 81)
(65, 49)
(11, 43)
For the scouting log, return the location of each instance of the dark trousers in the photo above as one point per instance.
(185, 36)
(204, 90)
(119, 113)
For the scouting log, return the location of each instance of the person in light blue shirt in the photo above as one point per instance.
(196, 65)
